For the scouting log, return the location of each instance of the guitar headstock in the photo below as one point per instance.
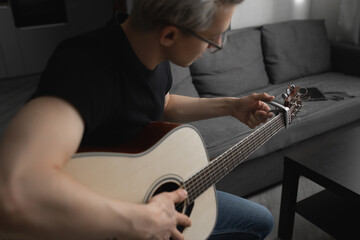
(292, 104)
(292, 100)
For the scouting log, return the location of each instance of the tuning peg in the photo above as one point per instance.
(288, 91)
(284, 95)
(297, 105)
(292, 87)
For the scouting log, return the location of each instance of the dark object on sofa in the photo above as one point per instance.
(268, 59)
(312, 94)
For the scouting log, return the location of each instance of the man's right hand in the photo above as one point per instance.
(165, 217)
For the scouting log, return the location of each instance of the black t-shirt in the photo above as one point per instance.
(100, 75)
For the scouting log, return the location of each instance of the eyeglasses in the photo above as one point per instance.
(214, 47)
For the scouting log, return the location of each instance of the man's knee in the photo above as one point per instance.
(266, 221)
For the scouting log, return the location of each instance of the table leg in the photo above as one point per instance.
(288, 200)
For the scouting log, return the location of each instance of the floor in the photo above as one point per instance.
(15, 92)
(303, 230)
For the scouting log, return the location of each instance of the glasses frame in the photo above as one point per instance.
(215, 46)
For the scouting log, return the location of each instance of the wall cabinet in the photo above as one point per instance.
(29, 32)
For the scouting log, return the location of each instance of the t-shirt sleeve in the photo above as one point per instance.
(170, 77)
(79, 73)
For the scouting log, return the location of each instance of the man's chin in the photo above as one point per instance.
(184, 64)
(189, 64)
(192, 61)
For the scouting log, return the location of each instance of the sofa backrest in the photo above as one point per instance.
(295, 49)
(237, 68)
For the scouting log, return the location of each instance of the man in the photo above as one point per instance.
(101, 88)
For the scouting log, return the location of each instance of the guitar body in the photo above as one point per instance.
(136, 177)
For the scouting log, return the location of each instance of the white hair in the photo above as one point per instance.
(196, 15)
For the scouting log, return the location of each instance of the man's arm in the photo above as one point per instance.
(39, 200)
(251, 110)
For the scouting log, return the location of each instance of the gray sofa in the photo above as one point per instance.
(268, 59)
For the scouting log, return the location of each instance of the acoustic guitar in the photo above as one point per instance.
(165, 157)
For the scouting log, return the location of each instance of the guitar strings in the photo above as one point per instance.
(246, 151)
(223, 170)
(230, 161)
(197, 184)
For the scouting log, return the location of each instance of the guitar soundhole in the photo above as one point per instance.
(180, 207)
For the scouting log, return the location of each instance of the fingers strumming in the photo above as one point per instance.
(178, 195)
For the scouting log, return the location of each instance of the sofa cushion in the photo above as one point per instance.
(237, 68)
(182, 81)
(295, 49)
(314, 118)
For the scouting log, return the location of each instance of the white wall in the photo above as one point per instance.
(258, 12)
(328, 10)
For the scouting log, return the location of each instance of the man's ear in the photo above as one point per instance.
(168, 35)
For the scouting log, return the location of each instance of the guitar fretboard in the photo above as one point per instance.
(226, 162)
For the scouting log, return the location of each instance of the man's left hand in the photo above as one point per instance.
(252, 110)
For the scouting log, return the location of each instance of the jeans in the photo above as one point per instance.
(239, 218)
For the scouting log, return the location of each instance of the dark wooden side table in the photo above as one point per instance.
(333, 163)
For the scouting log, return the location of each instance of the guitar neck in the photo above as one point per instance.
(226, 162)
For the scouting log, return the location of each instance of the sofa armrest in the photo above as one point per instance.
(346, 58)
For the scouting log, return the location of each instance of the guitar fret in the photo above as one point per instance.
(226, 162)
(200, 177)
(240, 155)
